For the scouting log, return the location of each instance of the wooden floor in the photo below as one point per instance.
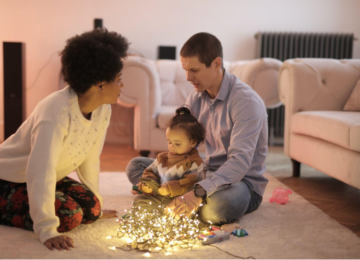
(337, 199)
(114, 158)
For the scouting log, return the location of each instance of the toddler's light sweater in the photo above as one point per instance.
(54, 141)
(178, 171)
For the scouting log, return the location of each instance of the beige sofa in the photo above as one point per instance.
(318, 132)
(156, 88)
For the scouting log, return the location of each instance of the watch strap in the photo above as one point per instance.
(202, 197)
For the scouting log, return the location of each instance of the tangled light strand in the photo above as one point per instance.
(151, 229)
(154, 231)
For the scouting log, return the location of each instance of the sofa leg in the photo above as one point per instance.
(144, 153)
(296, 168)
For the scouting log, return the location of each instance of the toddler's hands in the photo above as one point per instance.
(135, 192)
(164, 189)
(146, 188)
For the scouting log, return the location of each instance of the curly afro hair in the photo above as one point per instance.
(185, 121)
(91, 58)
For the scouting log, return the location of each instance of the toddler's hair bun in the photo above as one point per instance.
(183, 111)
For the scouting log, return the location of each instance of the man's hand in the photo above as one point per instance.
(59, 242)
(164, 189)
(109, 213)
(186, 204)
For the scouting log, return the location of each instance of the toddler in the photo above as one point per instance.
(174, 172)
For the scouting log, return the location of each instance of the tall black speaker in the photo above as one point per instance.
(14, 82)
(98, 23)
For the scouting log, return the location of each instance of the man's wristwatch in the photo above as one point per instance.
(200, 192)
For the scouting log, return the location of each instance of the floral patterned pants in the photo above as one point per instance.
(74, 204)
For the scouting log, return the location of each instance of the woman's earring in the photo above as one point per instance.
(100, 88)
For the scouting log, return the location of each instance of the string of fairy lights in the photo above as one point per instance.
(150, 229)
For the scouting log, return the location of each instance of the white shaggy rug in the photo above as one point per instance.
(295, 230)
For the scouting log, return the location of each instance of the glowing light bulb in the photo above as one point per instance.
(112, 247)
(167, 253)
(108, 237)
(147, 254)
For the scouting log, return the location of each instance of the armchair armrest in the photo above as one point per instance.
(141, 91)
(262, 75)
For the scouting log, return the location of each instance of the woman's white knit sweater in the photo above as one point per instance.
(54, 141)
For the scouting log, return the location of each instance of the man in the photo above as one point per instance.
(235, 119)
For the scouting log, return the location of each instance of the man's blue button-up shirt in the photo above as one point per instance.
(236, 135)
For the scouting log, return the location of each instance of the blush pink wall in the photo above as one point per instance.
(45, 25)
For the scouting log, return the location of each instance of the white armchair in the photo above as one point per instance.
(317, 130)
(156, 88)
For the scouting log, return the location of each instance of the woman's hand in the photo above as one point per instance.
(164, 189)
(59, 242)
(109, 213)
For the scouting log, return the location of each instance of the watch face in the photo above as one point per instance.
(199, 191)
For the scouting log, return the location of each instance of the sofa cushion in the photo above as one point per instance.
(338, 127)
(166, 113)
(174, 86)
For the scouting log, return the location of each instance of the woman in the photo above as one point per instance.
(65, 132)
